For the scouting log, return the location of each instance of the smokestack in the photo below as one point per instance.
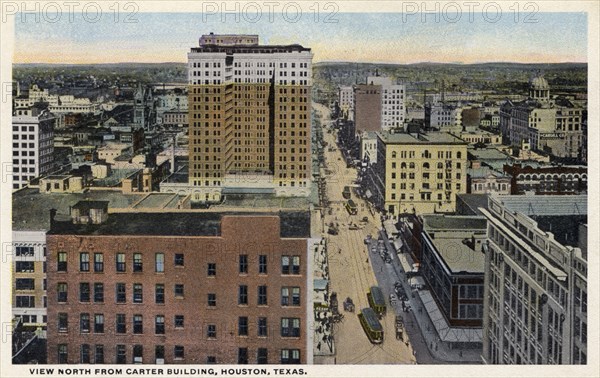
(173, 153)
(52, 215)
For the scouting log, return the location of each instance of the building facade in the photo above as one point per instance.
(535, 302)
(547, 179)
(33, 144)
(346, 99)
(393, 111)
(367, 107)
(204, 288)
(419, 173)
(249, 114)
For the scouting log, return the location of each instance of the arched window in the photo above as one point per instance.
(393, 154)
(425, 165)
(403, 165)
(411, 165)
(458, 155)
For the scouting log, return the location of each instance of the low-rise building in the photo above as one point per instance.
(547, 179)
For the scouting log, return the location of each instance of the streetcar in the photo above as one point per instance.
(371, 326)
(351, 207)
(377, 300)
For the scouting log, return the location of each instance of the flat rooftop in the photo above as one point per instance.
(489, 154)
(429, 138)
(545, 205)
(441, 222)
(458, 256)
(295, 224)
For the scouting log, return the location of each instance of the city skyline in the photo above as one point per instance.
(163, 37)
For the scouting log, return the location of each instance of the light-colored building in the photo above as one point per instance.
(443, 117)
(111, 151)
(419, 173)
(393, 111)
(535, 309)
(32, 144)
(368, 147)
(485, 180)
(250, 116)
(481, 136)
(553, 125)
(346, 100)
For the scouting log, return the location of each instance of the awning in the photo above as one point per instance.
(390, 228)
(320, 284)
(398, 244)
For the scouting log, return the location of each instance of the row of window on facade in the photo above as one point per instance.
(289, 264)
(290, 295)
(286, 356)
(95, 323)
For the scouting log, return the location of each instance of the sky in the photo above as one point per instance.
(362, 37)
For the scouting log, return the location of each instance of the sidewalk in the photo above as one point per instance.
(439, 352)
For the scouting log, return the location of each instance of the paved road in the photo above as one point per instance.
(350, 268)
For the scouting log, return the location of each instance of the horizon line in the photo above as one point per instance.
(319, 62)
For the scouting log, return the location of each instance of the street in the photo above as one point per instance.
(351, 269)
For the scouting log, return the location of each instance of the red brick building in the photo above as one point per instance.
(367, 107)
(185, 287)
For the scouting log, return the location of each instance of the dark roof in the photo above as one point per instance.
(87, 205)
(245, 49)
(293, 224)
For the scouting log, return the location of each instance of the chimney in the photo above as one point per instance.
(52, 215)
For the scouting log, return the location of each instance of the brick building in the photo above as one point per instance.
(185, 287)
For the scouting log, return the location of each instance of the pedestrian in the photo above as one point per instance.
(367, 261)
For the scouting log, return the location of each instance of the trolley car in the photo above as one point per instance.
(371, 326)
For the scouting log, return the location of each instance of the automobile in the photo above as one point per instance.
(393, 298)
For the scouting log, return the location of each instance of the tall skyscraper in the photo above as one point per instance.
(249, 114)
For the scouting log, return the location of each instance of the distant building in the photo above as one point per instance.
(535, 301)
(32, 147)
(146, 304)
(175, 118)
(346, 100)
(481, 136)
(393, 111)
(547, 179)
(553, 125)
(367, 107)
(368, 147)
(443, 117)
(419, 173)
(485, 180)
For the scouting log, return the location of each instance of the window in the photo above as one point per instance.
(262, 356)
(27, 251)
(179, 352)
(98, 262)
(24, 284)
(121, 325)
(243, 264)
(120, 293)
(262, 327)
(212, 299)
(243, 326)
(61, 289)
(179, 321)
(121, 354)
(159, 325)
(211, 331)
(99, 292)
(63, 322)
(138, 354)
(179, 290)
(24, 267)
(138, 324)
(98, 323)
(85, 353)
(62, 354)
(99, 354)
(290, 356)
(137, 262)
(243, 295)
(262, 264)
(290, 327)
(212, 269)
(290, 264)
(159, 353)
(262, 295)
(120, 261)
(179, 259)
(243, 356)
(290, 296)
(160, 262)
(25, 301)
(159, 293)
(84, 323)
(84, 292)
(84, 262)
(62, 262)
(138, 295)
